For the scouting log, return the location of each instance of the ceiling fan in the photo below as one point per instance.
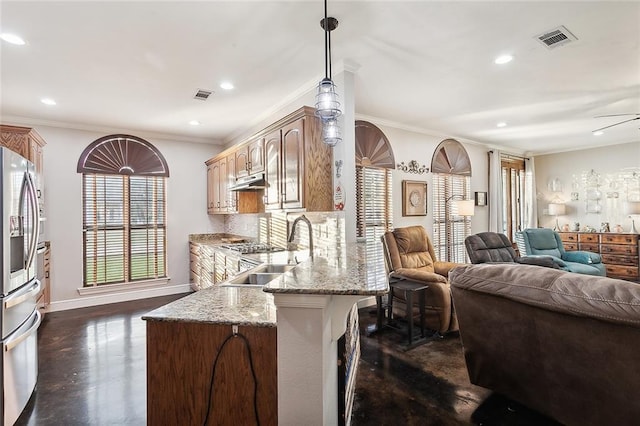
(637, 117)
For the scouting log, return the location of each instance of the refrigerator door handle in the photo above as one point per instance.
(33, 200)
(12, 343)
(17, 299)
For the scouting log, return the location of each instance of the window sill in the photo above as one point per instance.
(123, 287)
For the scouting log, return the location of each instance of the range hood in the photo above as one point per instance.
(249, 183)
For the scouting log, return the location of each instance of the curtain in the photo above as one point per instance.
(530, 203)
(496, 221)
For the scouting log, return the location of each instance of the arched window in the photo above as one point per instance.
(124, 210)
(451, 169)
(374, 163)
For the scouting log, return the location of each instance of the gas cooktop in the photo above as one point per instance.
(246, 248)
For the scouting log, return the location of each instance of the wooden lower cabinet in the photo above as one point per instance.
(620, 252)
(180, 367)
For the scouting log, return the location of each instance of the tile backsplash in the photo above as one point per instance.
(273, 228)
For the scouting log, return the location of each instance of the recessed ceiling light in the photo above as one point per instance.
(503, 59)
(226, 85)
(598, 133)
(48, 101)
(194, 122)
(501, 124)
(12, 38)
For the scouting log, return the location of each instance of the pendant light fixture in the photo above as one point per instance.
(327, 104)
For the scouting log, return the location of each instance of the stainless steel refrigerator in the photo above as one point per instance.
(20, 319)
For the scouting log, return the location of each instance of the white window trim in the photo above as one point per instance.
(123, 287)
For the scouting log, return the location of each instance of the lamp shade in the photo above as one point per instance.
(556, 209)
(463, 207)
(632, 207)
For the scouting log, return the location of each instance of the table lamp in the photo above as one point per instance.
(632, 208)
(557, 209)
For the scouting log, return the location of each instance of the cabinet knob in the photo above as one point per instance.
(249, 165)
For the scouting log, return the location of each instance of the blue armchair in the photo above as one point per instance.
(546, 242)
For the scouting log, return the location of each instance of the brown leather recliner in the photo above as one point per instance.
(409, 255)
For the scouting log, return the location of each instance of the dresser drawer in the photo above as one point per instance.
(620, 239)
(568, 237)
(588, 238)
(594, 247)
(570, 246)
(622, 271)
(618, 259)
(619, 249)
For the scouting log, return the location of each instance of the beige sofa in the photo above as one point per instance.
(564, 344)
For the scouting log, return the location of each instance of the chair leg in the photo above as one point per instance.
(409, 314)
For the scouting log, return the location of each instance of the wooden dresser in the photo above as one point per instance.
(619, 251)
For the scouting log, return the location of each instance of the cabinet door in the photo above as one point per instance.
(212, 187)
(219, 267)
(222, 185)
(242, 162)
(256, 156)
(293, 165)
(273, 166)
(232, 196)
(36, 155)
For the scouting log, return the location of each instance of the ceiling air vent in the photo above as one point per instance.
(202, 94)
(556, 37)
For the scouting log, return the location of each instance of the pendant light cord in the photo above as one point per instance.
(327, 43)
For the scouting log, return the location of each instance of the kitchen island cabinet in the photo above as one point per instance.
(308, 306)
(184, 358)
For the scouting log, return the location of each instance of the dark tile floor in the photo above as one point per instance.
(93, 372)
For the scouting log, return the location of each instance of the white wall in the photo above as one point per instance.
(408, 145)
(186, 207)
(564, 166)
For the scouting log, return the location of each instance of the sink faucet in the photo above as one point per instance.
(293, 232)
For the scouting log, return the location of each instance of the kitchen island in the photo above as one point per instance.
(190, 336)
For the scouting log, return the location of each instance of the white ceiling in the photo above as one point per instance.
(422, 64)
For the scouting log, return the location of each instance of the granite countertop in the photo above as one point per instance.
(248, 306)
(339, 271)
(342, 270)
(215, 239)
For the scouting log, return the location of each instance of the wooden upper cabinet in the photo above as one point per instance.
(273, 167)
(250, 158)
(256, 156)
(232, 196)
(26, 142)
(222, 185)
(213, 188)
(293, 165)
(296, 163)
(242, 161)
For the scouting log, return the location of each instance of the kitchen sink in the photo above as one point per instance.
(258, 276)
(255, 278)
(273, 269)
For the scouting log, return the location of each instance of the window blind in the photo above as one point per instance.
(513, 184)
(374, 211)
(449, 229)
(124, 226)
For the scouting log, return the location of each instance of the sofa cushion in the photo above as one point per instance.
(607, 299)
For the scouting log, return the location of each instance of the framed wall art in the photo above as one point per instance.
(481, 198)
(414, 198)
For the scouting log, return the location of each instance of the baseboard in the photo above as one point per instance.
(124, 296)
